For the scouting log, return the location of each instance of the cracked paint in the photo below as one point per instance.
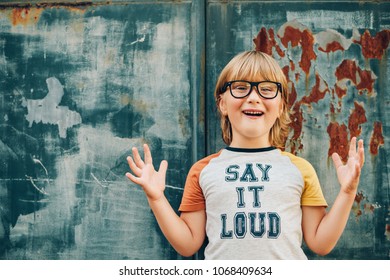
(48, 110)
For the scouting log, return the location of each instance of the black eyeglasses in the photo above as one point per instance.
(241, 89)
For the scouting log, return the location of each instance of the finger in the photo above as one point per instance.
(163, 167)
(137, 158)
(358, 169)
(336, 160)
(133, 166)
(352, 147)
(361, 152)
(148, 155)
(132, 178)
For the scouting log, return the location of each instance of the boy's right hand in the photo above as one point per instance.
(152, 181)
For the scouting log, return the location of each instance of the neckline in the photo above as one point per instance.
(250, 150)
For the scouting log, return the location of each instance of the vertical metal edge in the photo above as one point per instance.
(198, 78)
(197, 95)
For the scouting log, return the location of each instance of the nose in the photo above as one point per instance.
(253, 96)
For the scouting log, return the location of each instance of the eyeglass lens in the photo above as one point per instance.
(241, 89)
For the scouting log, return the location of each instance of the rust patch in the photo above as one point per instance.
(332, 41)
(296, 126)
(357, 117)
(369, 207)
(292, 65)
(377, 138)
(305, 38)
(297, 76)
(332, 108)
(292, 96)
(348, 75)
(296, 115)
(366, 81)
(358, 200)
(308, 53)
(363, 205)
(340, 92)
(332, 47)
(262, 42)
(30, 14)
(75, 4)
(338, 135)
(318, 91)
(359, 197)
(387, 231)
(374, 47)
(286, 70)
(25, 16)
(265, 42)
(348, 70)
(291, 35)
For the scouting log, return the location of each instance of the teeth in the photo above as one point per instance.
(253, 113)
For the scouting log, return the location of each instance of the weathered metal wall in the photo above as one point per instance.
(80, 84)
(335, 54)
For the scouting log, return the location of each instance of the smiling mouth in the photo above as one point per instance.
(253, 113)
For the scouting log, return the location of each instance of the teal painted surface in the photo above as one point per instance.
(79, 87)
(81, 84)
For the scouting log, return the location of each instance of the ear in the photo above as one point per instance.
(222, 105)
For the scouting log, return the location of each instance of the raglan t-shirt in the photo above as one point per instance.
(252, 199)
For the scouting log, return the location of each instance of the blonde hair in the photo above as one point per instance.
(253, 66)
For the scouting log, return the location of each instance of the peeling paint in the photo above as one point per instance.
(363, 79)
(332, 41)
(25, 16)
(318, 91)
(48, 111)
(338, 135)
(348, 75)
(356, 119)
(30, 14)
(374, 47)
(296, 116)
(295, 33)
(265, 42)
(362, 205)
(377, 138)
(75, 6)
(359, 198)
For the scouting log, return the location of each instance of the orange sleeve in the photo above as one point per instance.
(193, 198)
(312, 193)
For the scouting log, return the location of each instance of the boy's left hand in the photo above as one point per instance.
(348, 174)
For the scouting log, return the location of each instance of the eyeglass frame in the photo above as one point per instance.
(253, 84)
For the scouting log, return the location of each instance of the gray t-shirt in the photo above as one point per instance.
(252, 199)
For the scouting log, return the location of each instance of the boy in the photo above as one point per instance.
(252, 200)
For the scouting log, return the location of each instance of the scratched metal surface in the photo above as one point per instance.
(80, 85)
(335, 55)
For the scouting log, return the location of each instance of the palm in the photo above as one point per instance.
(152, 181)
(348, 174)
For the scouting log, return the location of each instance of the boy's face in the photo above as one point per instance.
(251, 118)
